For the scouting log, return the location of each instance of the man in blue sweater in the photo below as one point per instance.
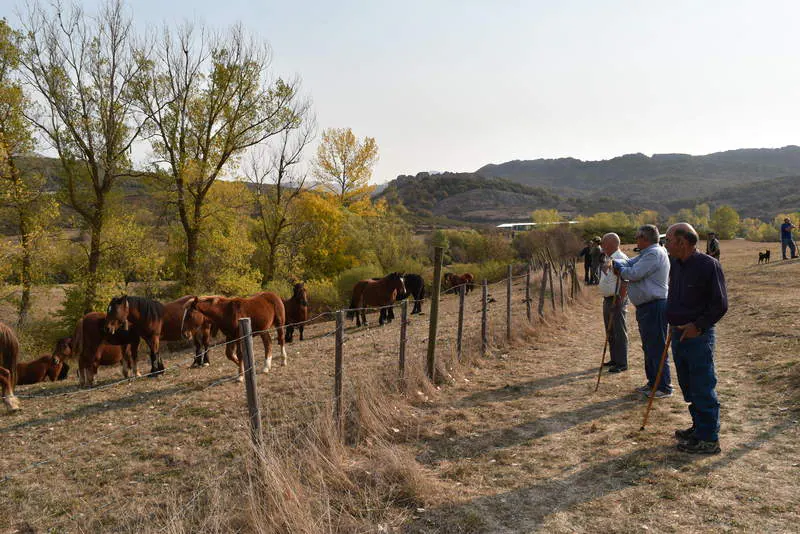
(697, 300)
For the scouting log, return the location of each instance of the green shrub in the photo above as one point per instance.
(347, 279)
(323, 295)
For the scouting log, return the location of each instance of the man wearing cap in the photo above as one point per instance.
(712, 246)
(786, 238)
(698, 299)
(614, 310)
(647, 276)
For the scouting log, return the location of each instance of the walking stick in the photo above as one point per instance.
(608, 333)
(658, 377)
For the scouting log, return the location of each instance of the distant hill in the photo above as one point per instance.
(761, 199)
(651, 182)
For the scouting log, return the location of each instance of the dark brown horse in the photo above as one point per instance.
(265, 311)
(143, 318)
(9, 353)
(180, 322)
(373, 294)
(47, 366)
(296, 311)
(94, 347)
(452, 281)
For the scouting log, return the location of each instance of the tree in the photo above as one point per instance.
(545, 216)
(23, 195)
(83, 68)
(207, 100)
(725, 222)
(275, 188)
(344, 164)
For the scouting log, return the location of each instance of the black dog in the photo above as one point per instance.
(763, 257)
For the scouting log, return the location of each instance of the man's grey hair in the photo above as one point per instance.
(649, 232)
(612, 238)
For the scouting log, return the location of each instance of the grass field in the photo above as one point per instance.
(516, 442)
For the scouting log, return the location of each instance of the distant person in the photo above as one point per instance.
(786, 238)
(647, 275)
(712, 246)
(698, 299)
(596, 254)
(618, 336)
(587, 261)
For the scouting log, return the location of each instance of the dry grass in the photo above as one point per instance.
(516, 442)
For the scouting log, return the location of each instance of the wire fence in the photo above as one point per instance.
(504, 296)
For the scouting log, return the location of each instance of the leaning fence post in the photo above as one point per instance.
(403, 325)
(253, 409)
(509, 283)
(462, 289)
(484, 315)
(542, 289)
(338, 374)
(434, 313)
(528, 291)
(550, 269)
(561, 284)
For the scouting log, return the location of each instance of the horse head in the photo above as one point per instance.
(54, 368)
(187, 329)
(63, 348)
(117, 315)
(300, 294)
(397, 283)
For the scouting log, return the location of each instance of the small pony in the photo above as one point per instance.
(453, 281)
(143, 318)
(48, 366)
(375, 293)
(763, 257)
(93, 347)
(296, 311)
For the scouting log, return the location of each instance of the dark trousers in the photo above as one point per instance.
(694, 364)
(652, 319)
(788, 243)
(618, 337)
(587, 268)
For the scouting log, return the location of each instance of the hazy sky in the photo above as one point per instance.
(453, 85)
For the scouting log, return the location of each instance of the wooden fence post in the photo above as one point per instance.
(561, 284)
(253, 409)
(434, 317)
(484, 317)
(550, 269)
(403, 338)
(542, 289)
(338, 375)
(528, 291)
(462, 290)
(509, 283)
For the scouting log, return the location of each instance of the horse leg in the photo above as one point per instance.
(9, 399)
(267, 341)
(290, 333)
(230, 352)
(133, 353)
(156, 365)
(301, 332)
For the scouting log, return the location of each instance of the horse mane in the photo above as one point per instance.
(9, 346)
(150, 310)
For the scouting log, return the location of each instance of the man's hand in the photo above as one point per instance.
(616, 266)
(689, 331)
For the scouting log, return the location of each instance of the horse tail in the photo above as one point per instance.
(9, 346)
(280, 320)
(77, 342)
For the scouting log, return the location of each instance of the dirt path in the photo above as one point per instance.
(527, 445)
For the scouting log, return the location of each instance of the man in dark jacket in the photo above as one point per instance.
(712, 246)
(696, 301)
(587, 261)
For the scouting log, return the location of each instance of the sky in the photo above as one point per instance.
(453, 85)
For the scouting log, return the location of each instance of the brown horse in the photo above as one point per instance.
(94, 347)
(452, 281)
(265, 311)
(143, 318)
(9, 353)
(47, 366)
(180, 323)
(296, 311)
(374, 293)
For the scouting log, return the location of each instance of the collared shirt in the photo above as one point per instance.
(647, 274)
(697, 292)
(786, 230)
(608, 280)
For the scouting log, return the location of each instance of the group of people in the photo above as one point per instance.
(593, 258)
(679, 294)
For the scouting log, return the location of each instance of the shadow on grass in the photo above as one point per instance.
(500, 513)
(447, 447)
(523, 389)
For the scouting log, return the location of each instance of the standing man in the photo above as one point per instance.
(697, 299)
(647, 275)
(587, 261)
(596, 254)
(786, 238)
(616, 312)
(712, 246)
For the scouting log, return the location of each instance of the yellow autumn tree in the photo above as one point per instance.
(344, 164)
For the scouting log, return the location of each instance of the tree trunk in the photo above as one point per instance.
(191, 258)
(94, 264)
(25, 301)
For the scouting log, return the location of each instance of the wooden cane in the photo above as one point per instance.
(658, 377)
(608, 333)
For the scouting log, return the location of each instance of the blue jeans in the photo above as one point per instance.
(788, 243)
(694, 363)
(652, 319)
